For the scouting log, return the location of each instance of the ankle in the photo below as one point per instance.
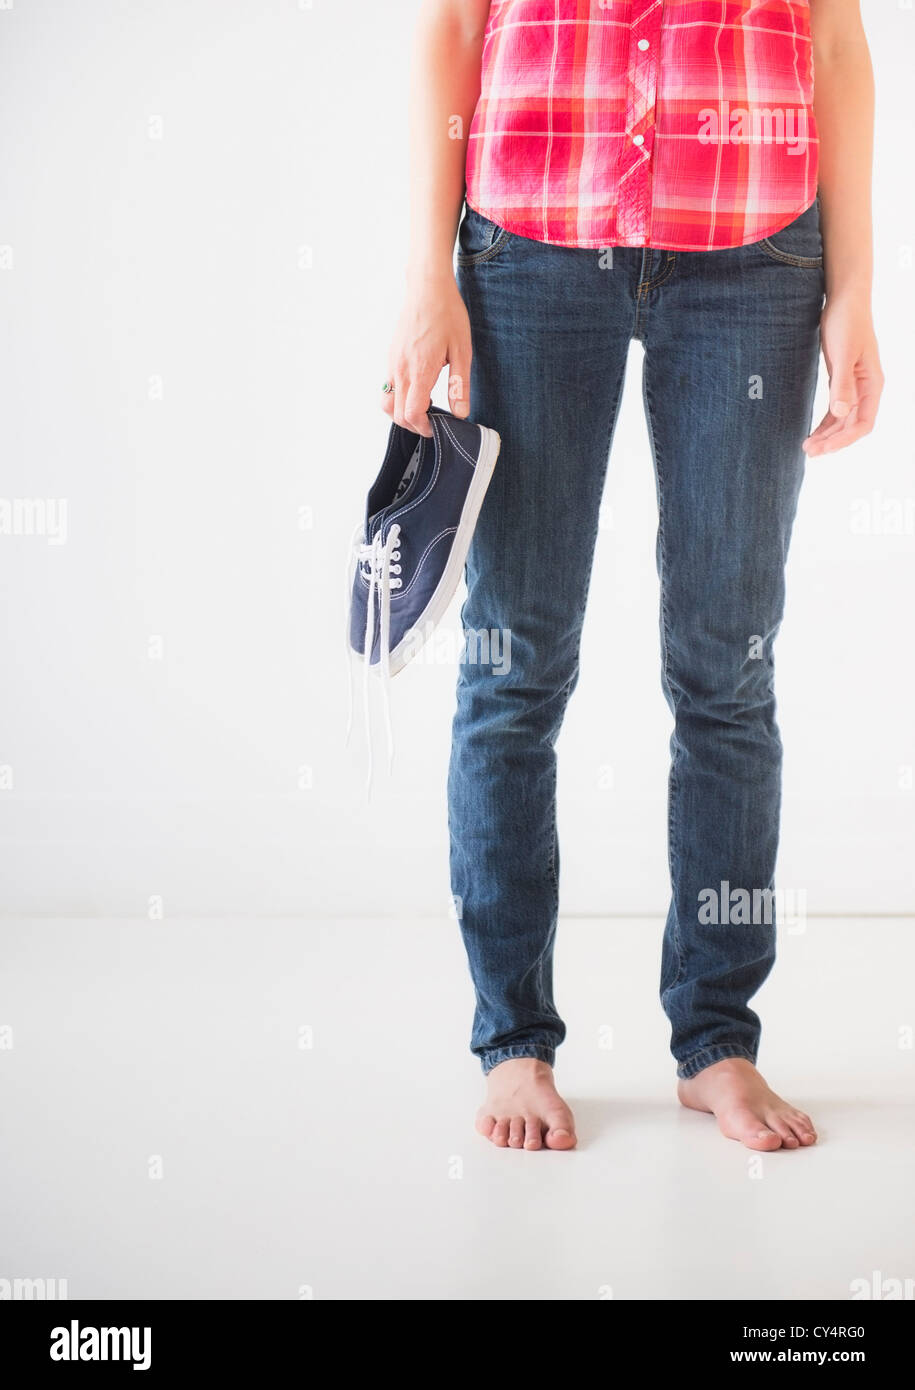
(521, 1066)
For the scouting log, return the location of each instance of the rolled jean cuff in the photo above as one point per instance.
(541, 1052)
(710, 1055)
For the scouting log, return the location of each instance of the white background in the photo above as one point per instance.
(203, 216)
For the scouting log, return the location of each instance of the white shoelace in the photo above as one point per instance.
(383, 559)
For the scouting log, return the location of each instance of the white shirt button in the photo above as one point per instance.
(638, 139)
(643, 44)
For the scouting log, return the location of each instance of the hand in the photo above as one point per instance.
(855, 377)
(433, 332)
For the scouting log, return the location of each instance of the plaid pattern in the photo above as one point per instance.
(684, 124)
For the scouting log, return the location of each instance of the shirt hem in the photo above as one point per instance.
(596, 244)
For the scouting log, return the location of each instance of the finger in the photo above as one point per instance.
(858, 422)
(416, 407)
(841, 441)
(842, 430)
(459, 384)
(829, 426)
(826, 425)
(401, 391)
(841, 434)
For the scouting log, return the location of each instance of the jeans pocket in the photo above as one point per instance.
(798, 244)
(479, 239)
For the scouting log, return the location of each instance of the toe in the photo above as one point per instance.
(533, 1135)
(750, 1129)
(560, 1132)
(485, 1124)
(802, 1126)
(499, 1134)
(784, 1131)
(516, 1132)
(762, 1137)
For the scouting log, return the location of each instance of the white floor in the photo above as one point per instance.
(348, 1168)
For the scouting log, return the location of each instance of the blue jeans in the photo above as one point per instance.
(731, 344)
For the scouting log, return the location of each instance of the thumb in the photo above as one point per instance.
(843, 391)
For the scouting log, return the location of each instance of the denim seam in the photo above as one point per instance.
(636, 322)
(611, 429)
(554, 877)
(663, 274)
(582, 611)
(644, 286)
(802, 262)
(542, 1052)
(673, 839)
(566, 694)
(493, 250)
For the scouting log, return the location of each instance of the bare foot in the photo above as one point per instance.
(735, 1093)
(523, 1109)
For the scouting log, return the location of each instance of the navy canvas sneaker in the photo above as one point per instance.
(419, 520)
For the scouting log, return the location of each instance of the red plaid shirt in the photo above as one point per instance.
(684, 124)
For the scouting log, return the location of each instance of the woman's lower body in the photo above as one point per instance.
(731, 343)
